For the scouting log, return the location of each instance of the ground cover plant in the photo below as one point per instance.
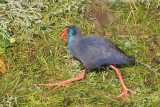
(38, 55)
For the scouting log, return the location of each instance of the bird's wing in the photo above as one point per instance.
(97, 51)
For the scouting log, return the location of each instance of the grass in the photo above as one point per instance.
(40, 56)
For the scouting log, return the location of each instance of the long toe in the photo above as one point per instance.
(54, 88)
(64, 83)
(59, 84)
(124, 94)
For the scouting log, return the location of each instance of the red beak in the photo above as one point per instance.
(64, 33)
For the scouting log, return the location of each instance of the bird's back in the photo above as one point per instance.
(95, 51)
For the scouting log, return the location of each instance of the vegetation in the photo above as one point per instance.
(39, 55)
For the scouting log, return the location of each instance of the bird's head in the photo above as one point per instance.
(71, 31)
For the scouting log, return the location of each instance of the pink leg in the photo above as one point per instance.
(125, 89)
(64, 83)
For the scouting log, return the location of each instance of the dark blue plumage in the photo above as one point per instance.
(95, 51)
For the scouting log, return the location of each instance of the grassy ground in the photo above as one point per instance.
(40, 56)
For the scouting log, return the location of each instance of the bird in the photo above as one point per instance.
(94, 52)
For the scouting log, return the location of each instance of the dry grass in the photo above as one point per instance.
(40, 56)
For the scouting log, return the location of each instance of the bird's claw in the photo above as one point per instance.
(64, 83)
(124, 93)
(59, 84)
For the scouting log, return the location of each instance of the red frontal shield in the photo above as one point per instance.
(64, 33)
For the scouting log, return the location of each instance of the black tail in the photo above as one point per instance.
(131, 59)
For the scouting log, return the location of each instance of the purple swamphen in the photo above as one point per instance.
(93, 52)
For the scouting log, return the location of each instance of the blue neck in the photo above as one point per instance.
(71, 38)
(70, 33)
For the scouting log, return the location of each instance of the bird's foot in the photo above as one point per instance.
(64, 83)
(59, 84)
(124, 94)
